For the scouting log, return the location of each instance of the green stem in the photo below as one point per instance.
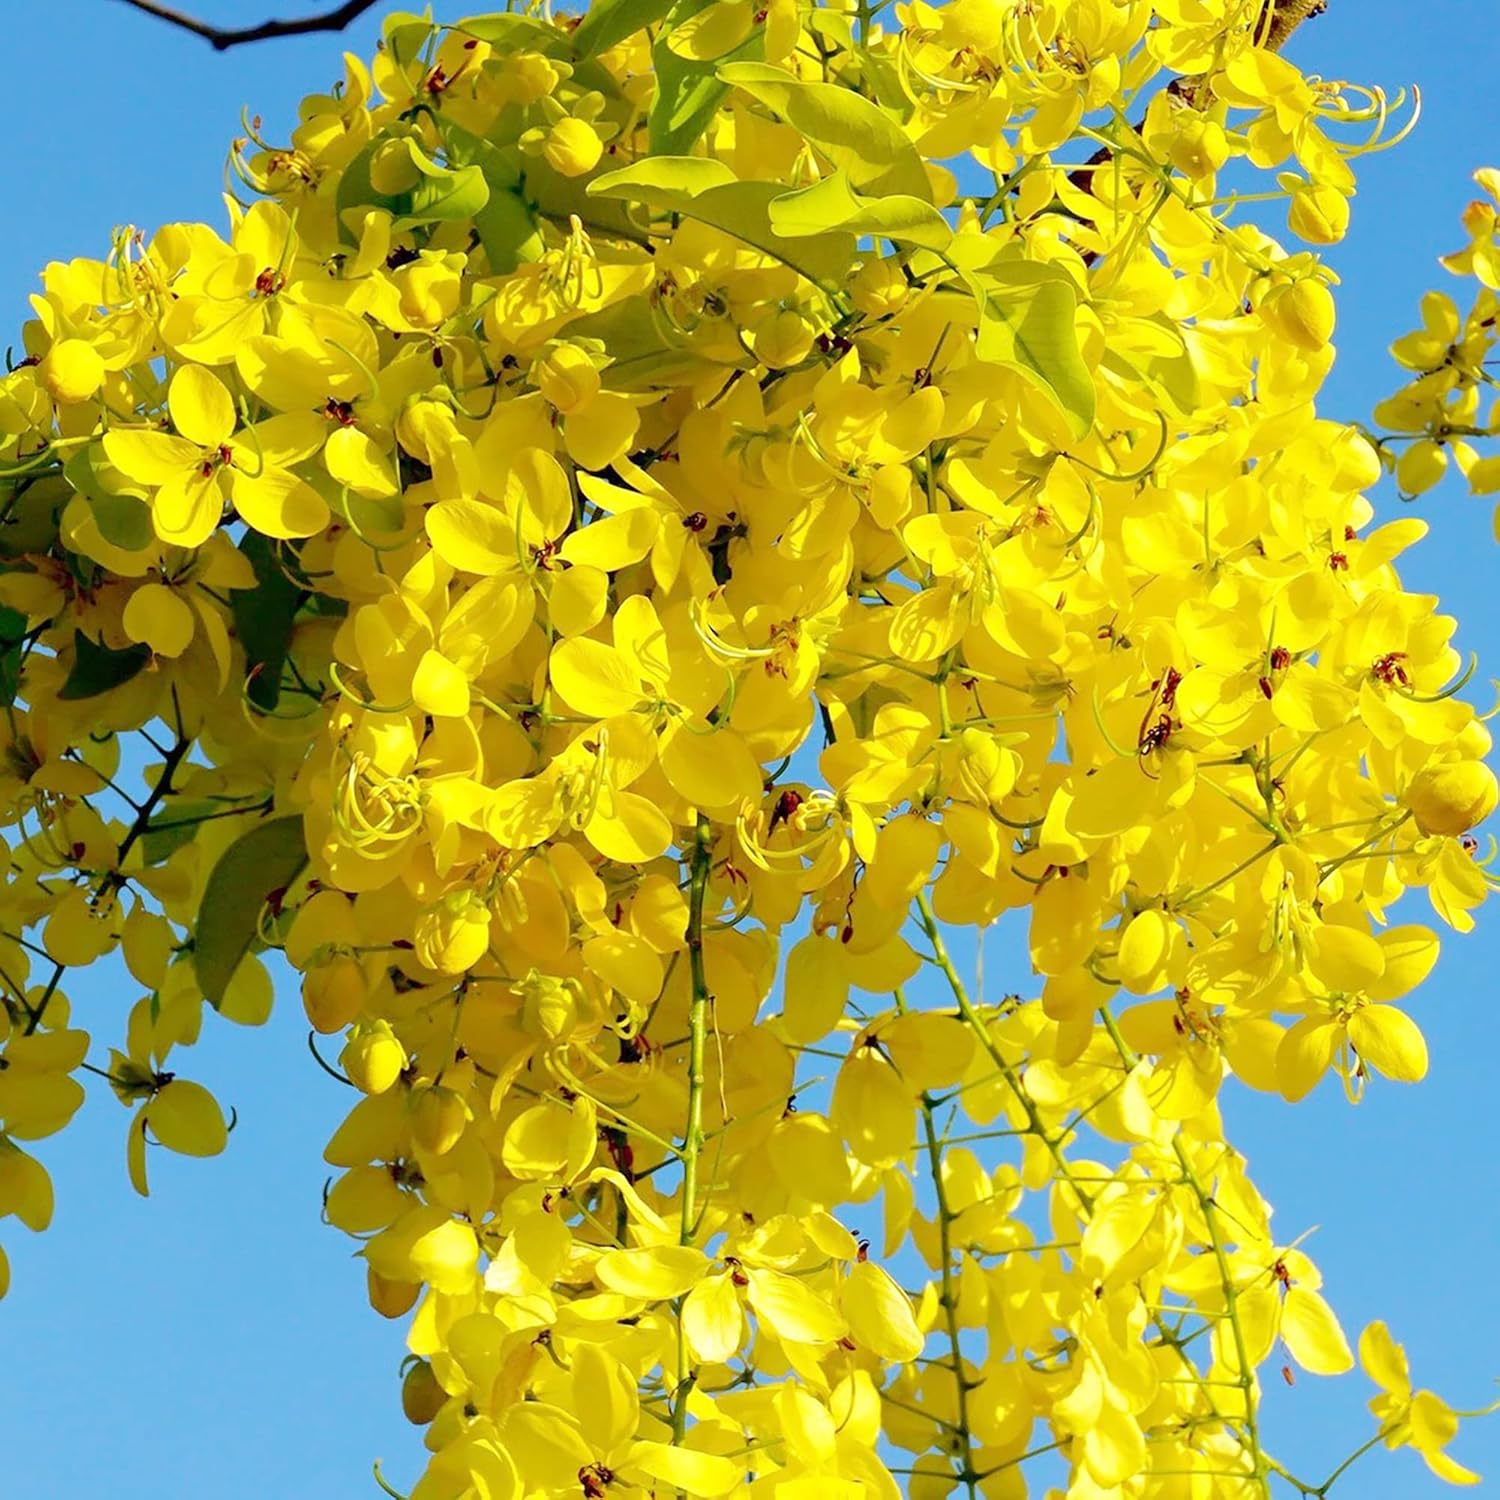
(949, 1299)
(692, 1137)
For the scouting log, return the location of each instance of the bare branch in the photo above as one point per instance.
(222, 38)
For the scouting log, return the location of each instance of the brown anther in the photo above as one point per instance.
(1281, 658)
(402, 255)
(695, 522)
(437, 81)
(786, 807)
(1338, 562)
(269, 282)
(338, 411)
(1388, 669)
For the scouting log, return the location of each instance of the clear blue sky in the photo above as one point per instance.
(215, 1341)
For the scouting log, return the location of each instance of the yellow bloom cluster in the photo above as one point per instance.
(652, 511)
(1437, 415)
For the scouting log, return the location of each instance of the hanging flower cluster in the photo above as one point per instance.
(1437, 416)
(655, 531)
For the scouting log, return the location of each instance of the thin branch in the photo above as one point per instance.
(222, 38)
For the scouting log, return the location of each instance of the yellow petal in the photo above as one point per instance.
(160, 618)
(1312, 1333)
(1390, 1041)
(150, 457)
(713, 1322)
(792, 1310)
(439, 688)
(1384, 1360)
(653, 1273)
(278, 504)
(879, 1314)
(595, 679)
(186, 1118)
(202, 409)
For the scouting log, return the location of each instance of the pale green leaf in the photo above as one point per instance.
(1026, 313)
(833, 204)
(851, 131)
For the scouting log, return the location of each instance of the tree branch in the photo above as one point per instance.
(222, 38)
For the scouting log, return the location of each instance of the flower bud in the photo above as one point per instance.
(373, 1058)
(572, 148)
(878, 288)
(566, 377)
(1199, 148)
(783, 339)
(390, 1298)
(422, 1397)
(72, 371)
(1302, 313)
(547, 1007)
(392, 170)
(453, 935)
(1451, 798)
(1319, 215)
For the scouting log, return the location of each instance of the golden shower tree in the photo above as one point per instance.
(652, 534)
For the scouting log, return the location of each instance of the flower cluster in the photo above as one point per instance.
(654, 532)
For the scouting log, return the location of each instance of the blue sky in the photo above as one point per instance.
(215, 1340)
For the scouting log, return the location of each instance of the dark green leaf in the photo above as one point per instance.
(30, 523)
(12, 639)
(97, 669)
(263, 618)
(262, 863)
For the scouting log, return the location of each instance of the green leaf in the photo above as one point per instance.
(833, 204)
(662, 181)
(173, 827)
(740, 209)
(30, 523)
(261, 863)
(506, 226)
(124, 521)
(516, 33)
(610, 21)
(405, 34)
(97, 669)
(688, 93)
(12, 643)
(1026, 323)
(443, 193)
(851, 131)
(263, 618)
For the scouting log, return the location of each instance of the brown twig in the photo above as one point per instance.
(222, 38)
